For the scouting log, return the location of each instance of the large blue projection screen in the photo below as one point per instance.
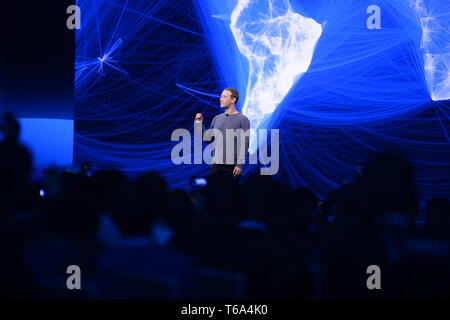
(338, 89)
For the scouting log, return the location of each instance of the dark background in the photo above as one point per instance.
(37, 59)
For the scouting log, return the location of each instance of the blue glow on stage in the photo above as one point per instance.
(49, 140)
(278, 44)
(337, 90)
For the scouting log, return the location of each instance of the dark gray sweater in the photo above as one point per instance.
(225, 121)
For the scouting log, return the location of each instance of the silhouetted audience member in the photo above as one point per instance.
(16, 278)
(136, 265)
(387, 193)
(182, 214)
(210, 239)
(15, 167)
(386, 206)
(437, 217)
(133, 239)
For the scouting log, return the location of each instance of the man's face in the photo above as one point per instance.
(225, 99)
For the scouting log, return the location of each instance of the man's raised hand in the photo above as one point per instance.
(198, 118)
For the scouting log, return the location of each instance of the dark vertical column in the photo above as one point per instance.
(39, 62)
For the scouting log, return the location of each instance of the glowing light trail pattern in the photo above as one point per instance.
(140, 66)
(434, 17)
(364, 91)
(279, 45)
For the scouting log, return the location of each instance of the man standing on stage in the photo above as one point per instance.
(231, 119)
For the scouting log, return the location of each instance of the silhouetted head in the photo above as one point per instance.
(111, 189)
(388, 186)
(152, 193)
(71, 212)
(181, 210)
(302, 205)
(15, 166)
(340, 205)
(10, 127)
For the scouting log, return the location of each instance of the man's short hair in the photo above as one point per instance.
(234, 93)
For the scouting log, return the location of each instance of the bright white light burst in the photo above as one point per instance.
(279, 45)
